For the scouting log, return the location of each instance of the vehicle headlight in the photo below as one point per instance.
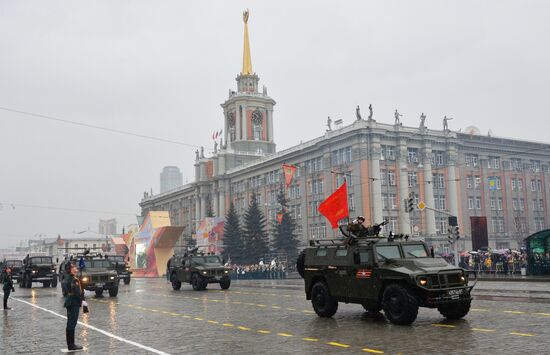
(112, 277)
(462, 278)
(53, 270)
(85, 279)
(34, 271)
(226, 272)
(127, 268)
(423, 281)
(204, 273)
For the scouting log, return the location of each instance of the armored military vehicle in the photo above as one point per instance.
(98, 275)
(37, 269)
(15, 266)
(199, 270)
(394, 274)
(122, 268)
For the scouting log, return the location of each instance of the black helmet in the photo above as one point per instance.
(361, 217)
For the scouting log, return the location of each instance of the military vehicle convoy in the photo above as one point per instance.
(37, 269)
(15, 266)
(97, 274)
(394, 274)
(199, 270)
(122, 267)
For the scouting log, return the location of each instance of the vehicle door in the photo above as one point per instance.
(185, 267)
(337, 270)
(362, 279)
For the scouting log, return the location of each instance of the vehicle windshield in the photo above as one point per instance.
(414, 251)
(388, 252)
(43, 260)
(97, 264)
(210, 259)
(14, 263)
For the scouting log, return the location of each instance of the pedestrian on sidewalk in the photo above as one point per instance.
(74, 296)
(8, 286)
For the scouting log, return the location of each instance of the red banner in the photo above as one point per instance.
(335, 207)
(279, 218)
(289, 171)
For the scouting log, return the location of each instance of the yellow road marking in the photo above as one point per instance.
(310, 339)
(276, 307)
(514, 312)
(259, 305)
(291, 309)
(523, 334)
(333, 343)
(479, 309)
(305, 311)
(213, 322)
(186, 316)
(543, 314)
(228, 325)
(373, 351)
(236, 302)
(444, 325)
(285, 334)
(483, 330)
(198, 318)
(264, 331)
(243, 328)
(174, 314)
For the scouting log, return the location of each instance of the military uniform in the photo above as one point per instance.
(7, 288)
(73, 300)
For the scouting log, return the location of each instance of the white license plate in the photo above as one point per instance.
(99, 284)
(455, 292)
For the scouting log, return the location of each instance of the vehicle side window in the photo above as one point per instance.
(341, 252)
(321, 252)
(365, 257)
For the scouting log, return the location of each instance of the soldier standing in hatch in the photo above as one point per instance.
(356, 229)
(73, 301)
(8, 287)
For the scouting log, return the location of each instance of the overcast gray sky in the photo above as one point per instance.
(162, 68)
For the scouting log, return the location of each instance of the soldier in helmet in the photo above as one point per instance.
(356, 229)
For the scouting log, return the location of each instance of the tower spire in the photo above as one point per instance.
(247, 61)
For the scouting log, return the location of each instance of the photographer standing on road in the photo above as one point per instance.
(74, 296)
(8, 286)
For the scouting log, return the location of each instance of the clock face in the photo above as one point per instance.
(257, 117)
(231, 119)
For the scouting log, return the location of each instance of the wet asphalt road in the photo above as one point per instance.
(271, 318)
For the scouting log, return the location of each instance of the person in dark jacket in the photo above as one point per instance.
(73, 301)
(8, 287)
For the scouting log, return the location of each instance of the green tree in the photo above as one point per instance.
(209, 211)
(254, 231)
(233, 237)
(284, 236)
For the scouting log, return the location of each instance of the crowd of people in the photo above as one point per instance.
(273, 270)
(502, 261)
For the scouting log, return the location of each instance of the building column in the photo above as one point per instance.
(221, 202)
(451, 174)
(429, 191)
(270, 125)
(404, 219)
(245, 124)
(198, 209)
(238, 136)
(203, 205)
(375, 180)
(215, 202)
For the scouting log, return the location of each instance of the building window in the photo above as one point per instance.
(521, 204)
(384, 202)
(539, 185)
(499, 204)
(383, 177)
(341, 156)
(515, 204)
(520, 184)
(393, 201)
(439, 181)
(513, 182)
(441, 225)
(413, 179)
(478, 203)
(469, 181)
(477, 182)
(470, 203)
(472, 160)
(516, 164)
(533, 185)
(498, 183)
(493, 204)
(412, 155)
(351, 202)
(541, 205)
(493, 163)
(439, 158)
(535, 165)
(391, 178)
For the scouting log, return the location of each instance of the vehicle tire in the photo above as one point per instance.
(54, 282)
(455, 310)
(399, 304)
(300, 263)
(113, 292)
(176, 284)
(196, 282)
(46, 284)
(127, 280)
(99, 292)
(323, 303)
(224, 284)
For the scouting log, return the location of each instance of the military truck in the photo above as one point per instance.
(15, 266)
(122, 268)
(37, 269)
(97, 275)
(199, 270)
(394, 274)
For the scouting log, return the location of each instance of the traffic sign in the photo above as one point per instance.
(421, 205)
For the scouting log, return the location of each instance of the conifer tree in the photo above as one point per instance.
(254, 231)
(284, 236)
(233, 237)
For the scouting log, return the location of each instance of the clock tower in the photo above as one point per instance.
(248, 113)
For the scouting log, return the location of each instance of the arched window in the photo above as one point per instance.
(257, 119)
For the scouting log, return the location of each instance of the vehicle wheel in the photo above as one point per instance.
(54, 282)
(127, 280)
(113, 291)
(46, 284)
(99, 292)
(204, 284)
(399, 304)
(225, 284)
(323, 303)
(196, 282)
(176, 284)
(300, 263)
(455, 310)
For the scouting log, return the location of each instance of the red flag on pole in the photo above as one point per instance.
(335, 207)
(289, 171)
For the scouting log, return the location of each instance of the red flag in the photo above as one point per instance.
(335, 207)
(279, 218)
(289, 171)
